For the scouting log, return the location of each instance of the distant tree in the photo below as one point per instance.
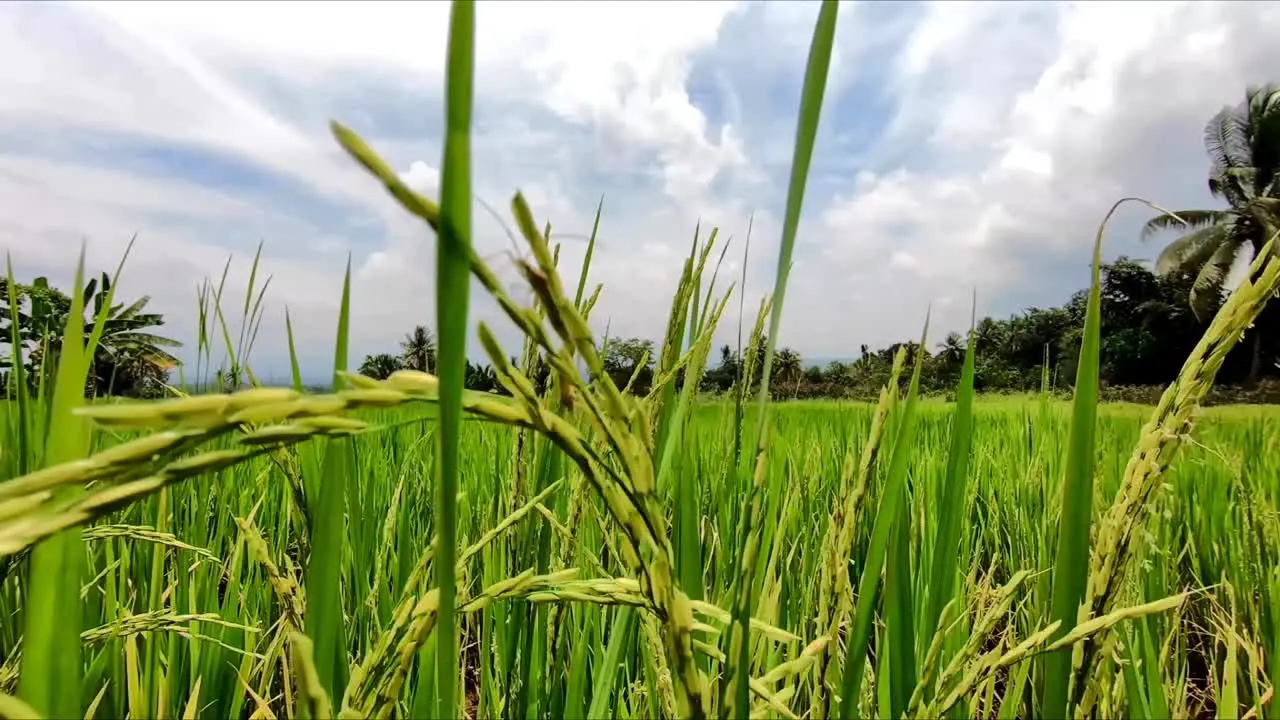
(722, 376)
(482, 378)
(1147, 327)
(788, 370)
(948, 362)
(626, 357)
(836, 372)
(129, 359)
(951, 349)
(381, 365)
(418, 349)
(1243, 143)
(814, 374)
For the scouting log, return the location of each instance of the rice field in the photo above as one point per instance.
(406, 548)
(195, 589)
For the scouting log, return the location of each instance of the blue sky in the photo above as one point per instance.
(963, 146)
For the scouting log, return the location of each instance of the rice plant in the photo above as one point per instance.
(409, 548)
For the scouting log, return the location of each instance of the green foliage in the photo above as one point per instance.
(452, 297)
(1243, 145)
(1071, 561)
(51, 664)
(1147, 329)
(629, 361)
(129, 358)
(380, 366)
(418, 350)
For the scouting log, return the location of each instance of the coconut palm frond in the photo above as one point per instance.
(1226, 140)
(1189, 252)
(1185, 220)
(1263, 121)
(1206, 293)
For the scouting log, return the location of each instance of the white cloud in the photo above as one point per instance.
(1028, 121)
(964, 146)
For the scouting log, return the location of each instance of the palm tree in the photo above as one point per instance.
(787, 366)
(951, 349)
(380, 366)
(419, 350)
(129, 359)
(482, 378)
(1243, 143)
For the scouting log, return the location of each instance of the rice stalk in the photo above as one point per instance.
(1168, 426)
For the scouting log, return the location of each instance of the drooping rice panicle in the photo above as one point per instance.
(1165, 431)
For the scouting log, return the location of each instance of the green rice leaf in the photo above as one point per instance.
(888, 514)
(51, 657)
(324, 618)
(1071, 564)
(951, 509)
(811, 96)
(452, 286)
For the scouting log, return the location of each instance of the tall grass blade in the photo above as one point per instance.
(815, 85)
(18, 377)
(1139, 708)
(294, 370)
(452, 286)
(951, 509)
(1071, 563)
(245, 326)
(324, 619)
(621, 638)
(891, 511)
(51, 649)
(899, 617)
(586, 260)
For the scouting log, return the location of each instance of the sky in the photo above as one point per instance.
(965, 149)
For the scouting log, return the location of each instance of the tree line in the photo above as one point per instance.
(418, 352)
(1149, 326)
(1148, 329)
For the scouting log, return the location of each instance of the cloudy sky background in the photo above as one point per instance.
(963, 146)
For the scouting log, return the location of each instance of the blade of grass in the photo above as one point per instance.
(892, 507)
(951, 509)
(740, 381)
(815, 85)
(1011, 700)
(1156, 700)
(575, 703)
(51, 654)
(452, 286)
(586, 260)
(1071, 564)
(293, 353)
(248, 301)
(1139, 708)
(324, 619)
(621, 636)
(18, 377)
(899, 616)
(1229, 691)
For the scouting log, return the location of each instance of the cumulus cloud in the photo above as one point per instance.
(964, 147)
